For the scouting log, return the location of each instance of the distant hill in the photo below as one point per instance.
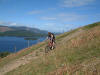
(21, 31)
(5, 28)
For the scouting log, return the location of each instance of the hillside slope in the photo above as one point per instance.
(77, 53)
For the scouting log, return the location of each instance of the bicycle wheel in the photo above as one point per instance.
(47, 48)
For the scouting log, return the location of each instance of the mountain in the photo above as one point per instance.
(77, 52)
(21, 31)
(5, 28)
(35, 30)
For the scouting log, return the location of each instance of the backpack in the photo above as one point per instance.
(53, 36)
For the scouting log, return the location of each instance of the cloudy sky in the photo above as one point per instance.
(51, 15)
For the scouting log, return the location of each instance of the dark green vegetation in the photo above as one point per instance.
(77, 53)
(4, 54)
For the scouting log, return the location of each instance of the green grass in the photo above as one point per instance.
(92, 25)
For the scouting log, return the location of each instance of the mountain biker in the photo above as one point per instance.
(51, 39)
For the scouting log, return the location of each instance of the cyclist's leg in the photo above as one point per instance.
(52, 44)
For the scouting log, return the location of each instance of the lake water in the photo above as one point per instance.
(14, 44)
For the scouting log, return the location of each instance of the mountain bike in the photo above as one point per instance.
(49, 47)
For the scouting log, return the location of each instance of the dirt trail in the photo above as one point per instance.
(27, 58)
(21, 61)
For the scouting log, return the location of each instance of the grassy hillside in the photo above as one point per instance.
(77, 53)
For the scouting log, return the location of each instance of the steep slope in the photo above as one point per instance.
(77, 53)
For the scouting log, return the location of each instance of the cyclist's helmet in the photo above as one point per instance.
(49, 33)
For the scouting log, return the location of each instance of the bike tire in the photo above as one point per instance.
(47, 48)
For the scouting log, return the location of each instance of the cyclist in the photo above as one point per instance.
(51, 39)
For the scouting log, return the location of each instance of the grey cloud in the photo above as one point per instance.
(75, 3)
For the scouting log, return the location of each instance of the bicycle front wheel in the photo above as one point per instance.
(47, 48)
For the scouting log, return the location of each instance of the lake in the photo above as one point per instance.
(15, 44)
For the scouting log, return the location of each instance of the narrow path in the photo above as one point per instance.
(21, 61)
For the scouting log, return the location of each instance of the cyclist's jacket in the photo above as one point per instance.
(51, 37)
